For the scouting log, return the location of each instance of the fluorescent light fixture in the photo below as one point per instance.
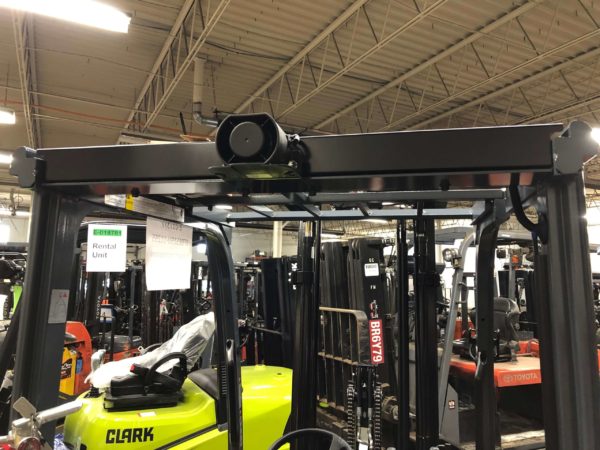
(7, 213)
(592, 216)
(223, 207)
(4, 233)
(377, 221)
(329, 236)
(5, 158)
(387, 203)
(596, 134)
(85, 12)
(7, 116)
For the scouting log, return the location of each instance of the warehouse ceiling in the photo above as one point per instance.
(337, 66)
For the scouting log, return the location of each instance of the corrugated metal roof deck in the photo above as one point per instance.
(88, 80)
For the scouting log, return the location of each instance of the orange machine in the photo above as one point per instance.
(524, 371)
(77, 357)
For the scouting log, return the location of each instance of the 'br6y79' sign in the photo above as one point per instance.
(376, 341)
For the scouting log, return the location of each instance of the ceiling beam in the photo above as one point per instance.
(348, 64)
(25, 48)
(512, 86)
(563, 108)
(179, 51)
(484, 83)
(302, 54)
(429, 62)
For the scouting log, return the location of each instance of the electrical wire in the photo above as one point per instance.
(121, 122)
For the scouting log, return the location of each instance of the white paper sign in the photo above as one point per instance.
(371, 270)
(59, 303)
(168, 255)
(106, 248)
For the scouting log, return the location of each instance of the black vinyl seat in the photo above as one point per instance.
(207, 380)
(146, 387)
(506, 323)
(506, 318)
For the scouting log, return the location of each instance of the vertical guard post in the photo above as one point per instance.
(570, 382)
(229, 405)
(306, 341)
(426, 333)
(55, 221)
(487, 434)
(403, 432)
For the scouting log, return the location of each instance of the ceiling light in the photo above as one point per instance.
(387, 203)
(84, 12)
(5, 158)
(7, 212)
(592, 216)
(377, 221)
(596, 134)
(7, 116)
(224, 207)
(4, 233)
(329, 236)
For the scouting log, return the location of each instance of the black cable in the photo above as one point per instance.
(538, 229)
(515, 198)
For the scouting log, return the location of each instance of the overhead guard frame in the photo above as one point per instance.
(546, 158)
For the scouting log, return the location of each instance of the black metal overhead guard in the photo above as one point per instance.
(338, 177)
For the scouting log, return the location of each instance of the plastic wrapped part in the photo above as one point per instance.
(191, 339)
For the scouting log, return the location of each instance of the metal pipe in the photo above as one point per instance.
(197, 96)
(457, 280)
(58, 412)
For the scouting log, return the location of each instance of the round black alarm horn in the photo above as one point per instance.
(252, 138)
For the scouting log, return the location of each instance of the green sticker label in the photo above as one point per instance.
(105, 232)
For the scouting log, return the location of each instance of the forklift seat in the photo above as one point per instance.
(506, 318)
(506, 322)
(206, 379)
(147, 387)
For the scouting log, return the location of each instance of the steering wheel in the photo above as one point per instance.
(337, 443)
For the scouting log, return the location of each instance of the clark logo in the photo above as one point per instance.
(129, 435)
(376, 340)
